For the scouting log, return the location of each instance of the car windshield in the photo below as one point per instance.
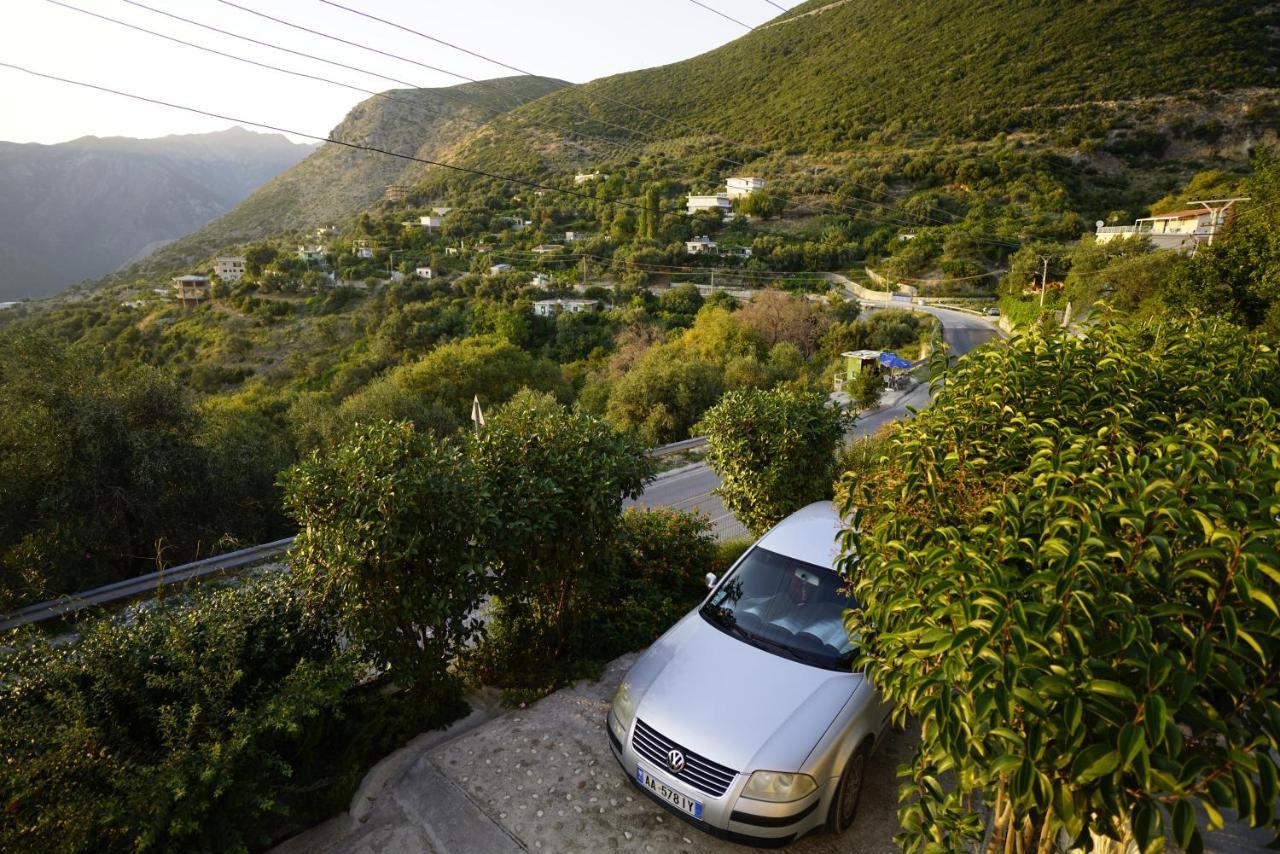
(787, 607)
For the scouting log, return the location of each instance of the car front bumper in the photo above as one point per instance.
(730, 816)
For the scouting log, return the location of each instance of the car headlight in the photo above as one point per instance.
(622, 712)
(778, 787)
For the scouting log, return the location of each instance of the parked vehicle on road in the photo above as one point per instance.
(746, 718)
(992, 311)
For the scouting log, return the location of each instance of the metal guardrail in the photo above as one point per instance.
(677, 447)
(153, 581)
(149, 583)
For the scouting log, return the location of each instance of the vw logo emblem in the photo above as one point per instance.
(675, 761)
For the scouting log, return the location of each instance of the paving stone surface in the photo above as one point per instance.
(547, 776)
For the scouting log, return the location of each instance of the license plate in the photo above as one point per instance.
(677, 799)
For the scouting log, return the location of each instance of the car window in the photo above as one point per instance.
(785, 606)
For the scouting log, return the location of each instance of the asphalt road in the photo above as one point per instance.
(691, 488)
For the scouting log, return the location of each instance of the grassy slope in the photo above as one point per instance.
(336, 182)
(948, 67)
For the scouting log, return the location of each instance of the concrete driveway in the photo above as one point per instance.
(547, 776)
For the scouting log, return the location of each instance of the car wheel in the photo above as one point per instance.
(844, 805)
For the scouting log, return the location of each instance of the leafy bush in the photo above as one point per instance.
(774, 451)
(105, 473)
(386, 541)
(178, 730)
(647, 577)
(556, 479)
(1069, 571)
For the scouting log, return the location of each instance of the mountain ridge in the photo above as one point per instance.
(79, 209)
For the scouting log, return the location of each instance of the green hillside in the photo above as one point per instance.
(948, 67)
(337, 182)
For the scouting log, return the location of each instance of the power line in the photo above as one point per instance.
(361, 147)
(624, 104)
(721, 14)
(776, 6)
(443, 92)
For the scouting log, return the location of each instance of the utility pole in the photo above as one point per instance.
(584, 271)
(1217, 209)
(1044, 278)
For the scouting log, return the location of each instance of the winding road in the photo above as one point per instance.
(691, 488)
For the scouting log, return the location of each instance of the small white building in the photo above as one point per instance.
(229, 268)
(441, 210)
(574, 236)
(499, 268)
(516, 223)
(424, 273)
(552, 307)
(1180, 230)
(736, 251)
(540, 280)
(702, 245)
(364, 252)
(585, 177)
(737, 188)
(718, 202)
(430, 221)
(311, 254)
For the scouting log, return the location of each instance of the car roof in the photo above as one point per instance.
(809, 534)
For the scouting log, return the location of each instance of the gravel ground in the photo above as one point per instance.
(547, 776)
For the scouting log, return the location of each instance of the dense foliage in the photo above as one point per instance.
(1069, 571)
(187, 727)
(555, 481)
(774, 452)
(107, 473)
(387, 528)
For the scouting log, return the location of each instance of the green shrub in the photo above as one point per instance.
(1069, 569)
(556, 479)
(650, 574)
(387, 542)
(774, 451)
(180, 729)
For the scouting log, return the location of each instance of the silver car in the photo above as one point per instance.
(745, 718)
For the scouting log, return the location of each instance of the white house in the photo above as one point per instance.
(1181, 230)
(424, 273)
(311, 254)
(540, 280)
(441, 211)
(518, 223)
(584, 177)
(736, 188)
(430, 221)
(499, 268)
(719, 202)
(736, 251)
(364, 252)
(552, 307)
(574, 236)
(229, 268)
(701, 246)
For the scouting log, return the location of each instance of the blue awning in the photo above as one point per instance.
(893, 360)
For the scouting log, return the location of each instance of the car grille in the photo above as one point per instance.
(698, 771)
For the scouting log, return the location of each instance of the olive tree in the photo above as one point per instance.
(387, 523)
(774, 451)
(1070, 576)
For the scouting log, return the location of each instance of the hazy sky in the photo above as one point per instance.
(575, 40)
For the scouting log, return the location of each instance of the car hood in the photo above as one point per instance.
(733, 703)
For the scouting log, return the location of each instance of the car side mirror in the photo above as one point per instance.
(711, 579)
